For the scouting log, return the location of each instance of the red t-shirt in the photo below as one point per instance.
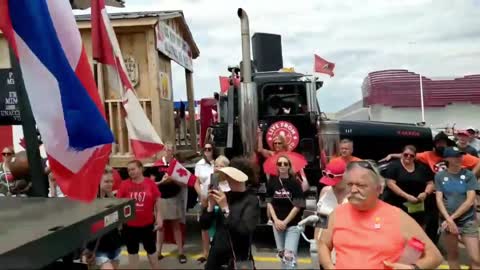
(146, 194)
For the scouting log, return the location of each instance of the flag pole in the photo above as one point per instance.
(32, 148)
(421, 98)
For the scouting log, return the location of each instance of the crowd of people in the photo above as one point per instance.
(371, 214)
(427, 195)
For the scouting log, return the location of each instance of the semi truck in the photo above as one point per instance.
(281, 101)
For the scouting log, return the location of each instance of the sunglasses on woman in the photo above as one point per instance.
(7, 154)
(407, 155)
(331, 175)
(283, 164)
(277, 143)
(207, 149)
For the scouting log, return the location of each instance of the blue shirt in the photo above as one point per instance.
(454, 188)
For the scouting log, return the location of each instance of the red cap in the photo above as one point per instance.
(416, 244)
(333, 174)
(462, 132)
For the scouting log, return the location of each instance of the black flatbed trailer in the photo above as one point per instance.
(36, 232)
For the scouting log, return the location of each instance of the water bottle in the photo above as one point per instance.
(412, 252)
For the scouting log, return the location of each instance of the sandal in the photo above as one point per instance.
(182, 259)
(201, 259)
(160, 257)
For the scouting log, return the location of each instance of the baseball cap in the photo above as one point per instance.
(463, 132)
(333, 173)
(471, 130)
(441, 136)
(452, 152)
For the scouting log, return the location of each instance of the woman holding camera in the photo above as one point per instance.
(232, 241)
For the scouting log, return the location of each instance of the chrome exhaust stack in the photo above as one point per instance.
(248, 104)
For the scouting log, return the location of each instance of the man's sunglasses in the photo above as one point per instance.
(5, 154)
(331, 175)
(407, 155)
(283, 164)
(362, 163)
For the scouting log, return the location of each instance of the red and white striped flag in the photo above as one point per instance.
(143, 138)
(180, 174)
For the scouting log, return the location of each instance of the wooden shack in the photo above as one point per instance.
(149, 41)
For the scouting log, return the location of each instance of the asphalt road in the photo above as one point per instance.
(263, 250)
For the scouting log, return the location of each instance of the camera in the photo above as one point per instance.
(213, 181)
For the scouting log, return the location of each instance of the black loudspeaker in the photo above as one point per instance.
(267, 52)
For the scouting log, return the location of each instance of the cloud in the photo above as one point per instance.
(436, 38)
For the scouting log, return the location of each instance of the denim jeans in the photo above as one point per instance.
(287, 241)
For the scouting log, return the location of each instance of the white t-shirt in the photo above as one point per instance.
(325, 206)
(203, 170)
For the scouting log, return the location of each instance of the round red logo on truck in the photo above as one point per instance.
(285, 129)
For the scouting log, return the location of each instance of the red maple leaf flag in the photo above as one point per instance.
(180, 174)
(323, 66)
(142, 136)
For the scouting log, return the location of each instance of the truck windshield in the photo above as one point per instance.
(285, 98)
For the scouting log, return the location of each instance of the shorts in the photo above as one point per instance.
(133, 236)
(469, 228)
(105, 257)
(173, 208)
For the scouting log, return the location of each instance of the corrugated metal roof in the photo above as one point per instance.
(162, 15)
(401, 88)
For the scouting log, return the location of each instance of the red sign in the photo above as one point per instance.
(408, 133)
(285, 129)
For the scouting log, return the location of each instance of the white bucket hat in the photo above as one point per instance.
(235, 174)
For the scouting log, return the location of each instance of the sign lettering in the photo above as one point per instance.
(9, 107)
(286, 130)
(172, 45)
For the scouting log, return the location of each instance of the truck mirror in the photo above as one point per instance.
(318, 85)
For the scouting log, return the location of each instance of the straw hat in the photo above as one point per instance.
(235, 174)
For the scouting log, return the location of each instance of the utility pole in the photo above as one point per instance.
(36, 171)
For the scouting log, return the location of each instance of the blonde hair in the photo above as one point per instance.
(282, 140)
(223, 160)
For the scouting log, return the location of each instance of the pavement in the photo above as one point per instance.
(263, 251)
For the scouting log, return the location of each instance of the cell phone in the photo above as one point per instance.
(213, 181)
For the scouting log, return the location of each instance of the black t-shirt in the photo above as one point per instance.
(285, 194)
(412, 183)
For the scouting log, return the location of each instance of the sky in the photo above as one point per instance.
(438, 38)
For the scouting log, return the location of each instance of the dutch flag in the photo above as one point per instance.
(62, 92)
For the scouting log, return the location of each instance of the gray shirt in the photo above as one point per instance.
(454, 188)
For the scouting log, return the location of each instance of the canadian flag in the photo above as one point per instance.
(180, 174)
(143, 138)
(323, 66)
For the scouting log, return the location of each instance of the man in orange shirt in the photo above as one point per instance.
(346, 151)
(357, 230)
